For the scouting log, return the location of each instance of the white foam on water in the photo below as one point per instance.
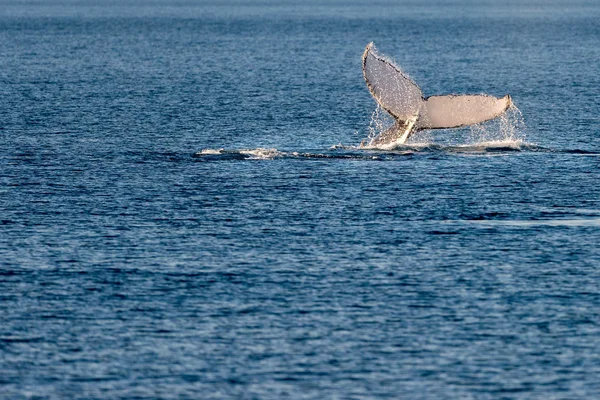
(507, 144)
(387, 147)
(258, 153)
(210, 151)
(262, 153)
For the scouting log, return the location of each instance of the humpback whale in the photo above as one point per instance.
(397, 94)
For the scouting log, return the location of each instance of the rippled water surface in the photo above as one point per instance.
(186, 212)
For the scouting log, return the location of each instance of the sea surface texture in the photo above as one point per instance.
(186, 212)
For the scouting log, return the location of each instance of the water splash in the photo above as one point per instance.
(508, 130)
(380, 121)
(509, 127)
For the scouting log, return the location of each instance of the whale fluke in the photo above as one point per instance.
(402, 98)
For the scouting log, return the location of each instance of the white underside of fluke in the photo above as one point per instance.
(397, 94)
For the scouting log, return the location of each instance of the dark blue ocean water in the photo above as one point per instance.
(138, 260)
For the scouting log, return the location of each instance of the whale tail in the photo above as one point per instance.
(403, 99)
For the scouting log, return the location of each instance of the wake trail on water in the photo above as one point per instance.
(503, 135)
(272, 154)
(343, 152)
